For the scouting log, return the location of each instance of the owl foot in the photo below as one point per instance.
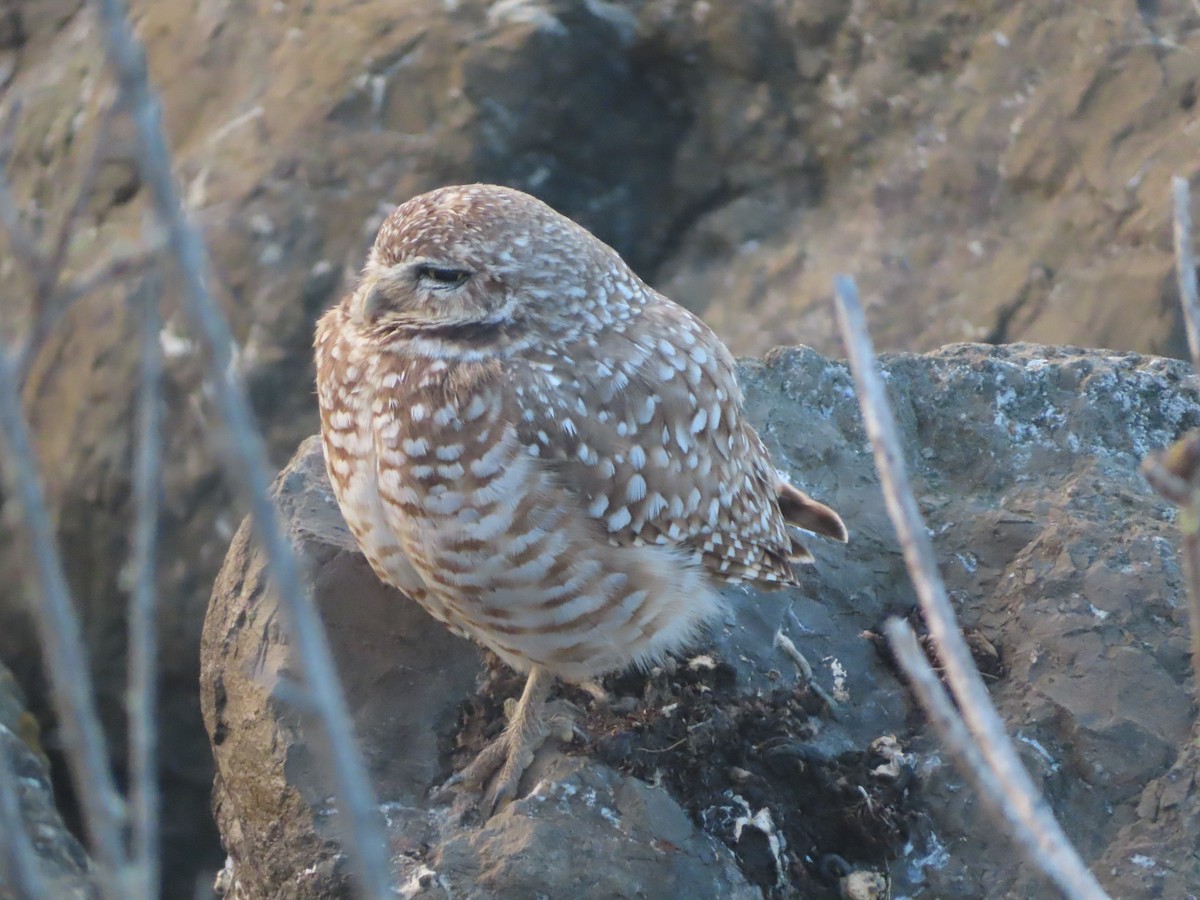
(600, 698)
(504, 760)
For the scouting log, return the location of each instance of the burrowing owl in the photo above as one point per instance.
(541, 450)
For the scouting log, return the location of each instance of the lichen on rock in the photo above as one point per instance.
(724, 771)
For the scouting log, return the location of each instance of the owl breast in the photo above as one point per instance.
(440, 487)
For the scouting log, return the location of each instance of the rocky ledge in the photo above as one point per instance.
(724, 772)
(63, 866)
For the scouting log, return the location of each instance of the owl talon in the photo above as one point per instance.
(505, 759)
(505, 782)
(477, 772)
(564, 728)
(600, 698)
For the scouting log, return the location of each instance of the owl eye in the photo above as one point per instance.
(442, 277)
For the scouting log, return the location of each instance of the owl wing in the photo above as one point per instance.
(644, 426)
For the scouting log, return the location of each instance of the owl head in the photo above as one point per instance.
(475, 264)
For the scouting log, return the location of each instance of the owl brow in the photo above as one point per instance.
(458, 332)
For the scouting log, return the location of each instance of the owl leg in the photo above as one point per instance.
(505, 760)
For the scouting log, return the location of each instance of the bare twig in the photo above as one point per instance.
(1191, 565)
(51, 300)
(49, 277)
(21, 240)
(143, 643)
(805, 670)
(1168, 470)
(248, 465)
(954, 734)
(62, 643)
(1185, 266)
(24, 871)
(1057, 859)
(60, 300)
(1175, 472)
(58, 627)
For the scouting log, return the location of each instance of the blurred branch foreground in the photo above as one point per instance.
(980, 742)
(122, 831)
(122, 871)
(1175, 472)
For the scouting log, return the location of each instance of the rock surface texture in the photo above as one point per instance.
(63, 865)
(989, 171)
(1060, 561)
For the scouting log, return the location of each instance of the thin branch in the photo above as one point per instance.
(957, 738)
(248, 464)
(57, 258)
(21, 240)
(51, 301)
(60, 300)
(61, 641)
(54, 614)
(1066, 869)
(1169, 471)
(1175, 471)
(143, 642)
(1182, 460)
(1191, 565)
(24, 869)
(1185, 266)
(805, 671)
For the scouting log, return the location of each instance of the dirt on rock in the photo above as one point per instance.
(741, 764)
(727, 757)
(725, 770)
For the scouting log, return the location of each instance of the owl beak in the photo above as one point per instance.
(372, 300)
(372, 296)
(378, 291)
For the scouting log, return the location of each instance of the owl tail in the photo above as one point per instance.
(803, 511)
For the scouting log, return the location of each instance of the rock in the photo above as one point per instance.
(996, 172)
(1154, 855)
(1058, 557)
(64, 865)
(583, 831)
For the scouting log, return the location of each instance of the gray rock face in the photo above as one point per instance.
(1055, 551)
(64, 867)
(583, 831)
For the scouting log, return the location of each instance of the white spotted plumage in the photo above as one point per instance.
(547, 454)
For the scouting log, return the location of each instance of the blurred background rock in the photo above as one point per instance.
(993, 171)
